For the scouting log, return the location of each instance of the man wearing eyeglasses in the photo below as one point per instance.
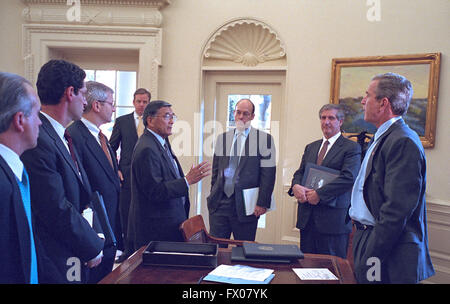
(100, 163)
(244, 158)
(160, 190)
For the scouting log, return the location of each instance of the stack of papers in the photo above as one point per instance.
(314, 274)
(240, 274)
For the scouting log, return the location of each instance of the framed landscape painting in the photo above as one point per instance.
(350, 78)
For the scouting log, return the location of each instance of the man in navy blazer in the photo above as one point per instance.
(322, 215)
(160, 190)
(388, 205)
(100, 163)
(60, 190)
(19, 128)
(125, 135)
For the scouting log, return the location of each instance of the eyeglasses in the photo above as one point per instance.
(110, 103)
(168, 117)
(245, 114)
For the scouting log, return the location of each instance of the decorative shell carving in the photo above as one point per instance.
(245, 41)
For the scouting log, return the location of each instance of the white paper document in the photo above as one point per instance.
(88, 215)
(242, 272)
(250, 199)
(314, 274)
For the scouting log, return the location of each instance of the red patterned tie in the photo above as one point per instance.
(322, 152)
(71, 150)
(105, 149)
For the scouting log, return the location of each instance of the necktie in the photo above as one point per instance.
(322, 152)
(172, 160)
(174, 164)
(103, 142)
(71, 150)
(140, 127)
(25, 194)
(229, 173)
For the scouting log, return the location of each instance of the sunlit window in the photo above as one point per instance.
(124, 85)
(262, 110)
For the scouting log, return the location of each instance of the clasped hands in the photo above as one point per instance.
(196, 173)
(303, 194)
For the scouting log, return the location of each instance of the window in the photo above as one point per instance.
(262, 110)
(124, 85)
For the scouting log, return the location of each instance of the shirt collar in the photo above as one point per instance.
(332, 139)
(91, 127)
(13, 161)
(385, 126)
(59, 128)
(245, 132)
(136, 116)
(158, 137)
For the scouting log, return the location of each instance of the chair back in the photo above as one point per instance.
(193, 230)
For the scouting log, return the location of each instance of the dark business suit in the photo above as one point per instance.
(15, 257)
(330, 215)
(256, 168)
(124, 135)
(104, 179)
(157, 209)
(394, 192)
(58, 197)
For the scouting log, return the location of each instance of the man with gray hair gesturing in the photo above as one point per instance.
(388, 199)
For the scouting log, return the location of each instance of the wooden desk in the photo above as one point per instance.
(131, 271)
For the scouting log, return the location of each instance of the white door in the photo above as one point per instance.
(222, 91)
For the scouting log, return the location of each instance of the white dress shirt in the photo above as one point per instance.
(13, 161)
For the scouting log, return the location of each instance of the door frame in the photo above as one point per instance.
(211, 80)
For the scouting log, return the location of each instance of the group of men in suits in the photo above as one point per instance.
(49, 170)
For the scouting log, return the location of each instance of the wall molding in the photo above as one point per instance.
(40, 39)
(246, 41)
(95, 12)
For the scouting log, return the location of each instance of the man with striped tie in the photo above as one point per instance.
(99, 161)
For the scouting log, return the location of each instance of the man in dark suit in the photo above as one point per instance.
(322, 215)
(60, 190)
(244, 158)
(19, 128)
(100, 163)
(125, 134)
(388, 205)
(160, 190)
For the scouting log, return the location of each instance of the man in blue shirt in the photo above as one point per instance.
(19, 129)
(388, 207)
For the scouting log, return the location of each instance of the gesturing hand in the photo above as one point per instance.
(198, 172)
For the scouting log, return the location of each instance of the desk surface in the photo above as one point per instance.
(131, 271)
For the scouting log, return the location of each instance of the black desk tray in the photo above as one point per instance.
(180, 254)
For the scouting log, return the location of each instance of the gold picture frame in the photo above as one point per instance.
(350, 78)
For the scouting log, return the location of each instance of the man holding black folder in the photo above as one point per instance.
(99, 161)
(323, 212)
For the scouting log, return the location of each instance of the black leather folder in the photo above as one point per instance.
(237, 255)
(99, 206)
(278, 251)
(316, 176)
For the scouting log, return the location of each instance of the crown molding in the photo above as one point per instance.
(148, 3)
(95, 12)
